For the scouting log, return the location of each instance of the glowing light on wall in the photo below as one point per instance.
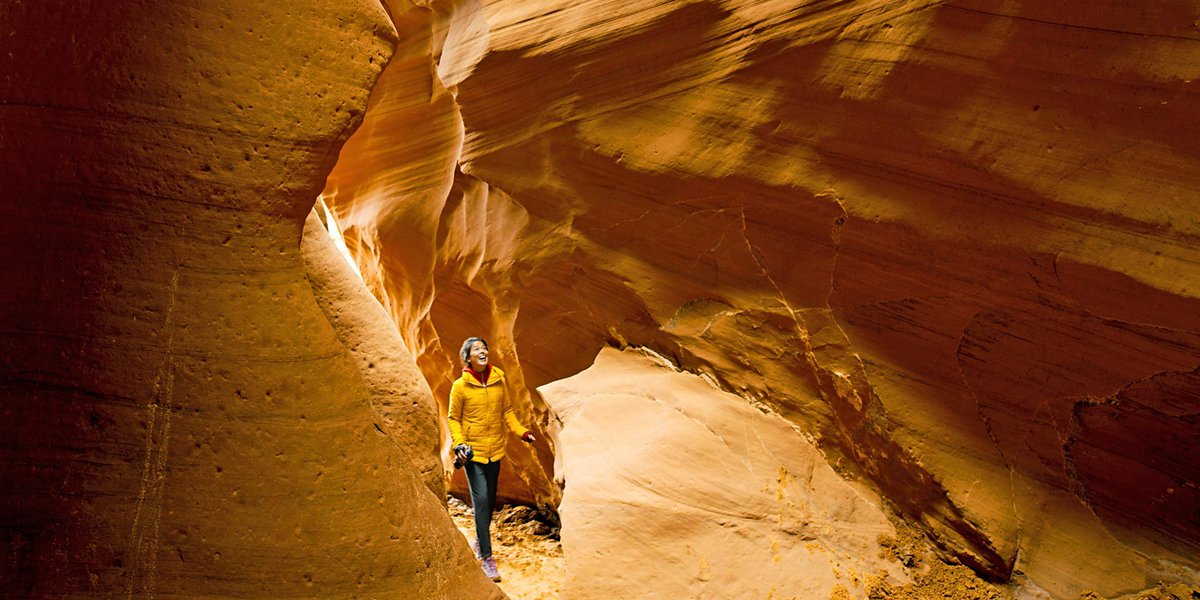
(335, 234)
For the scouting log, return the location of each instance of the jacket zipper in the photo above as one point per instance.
(487, 403)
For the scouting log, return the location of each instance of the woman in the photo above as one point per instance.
(480, 416)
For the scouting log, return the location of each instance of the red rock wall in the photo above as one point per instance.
(955, 240)
(179, 418)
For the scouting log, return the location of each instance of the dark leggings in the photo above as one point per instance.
(482, 479)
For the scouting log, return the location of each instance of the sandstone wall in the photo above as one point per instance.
(676, 489)
(179, 417)
(956, 241)
(399, 396)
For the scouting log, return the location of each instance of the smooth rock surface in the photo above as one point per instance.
(955, 242)
(676, 489)
(179, 419)
(400, 398)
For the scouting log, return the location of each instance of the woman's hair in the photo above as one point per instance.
(465, 353)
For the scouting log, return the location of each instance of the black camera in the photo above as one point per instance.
(462, 454)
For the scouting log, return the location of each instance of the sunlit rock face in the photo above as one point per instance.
(400, 397)
(679, 487)
(179, 417)
(956, 242)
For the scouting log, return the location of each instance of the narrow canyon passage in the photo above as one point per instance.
(846, 300)
(932, 239)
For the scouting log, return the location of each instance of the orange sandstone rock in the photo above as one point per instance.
(955, 242)
(678, 489)
(402, 403)
(395, 190)
(179, 418)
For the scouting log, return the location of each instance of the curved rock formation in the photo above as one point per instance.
(400, 397)
(677, 489)
(180, 419)
(956, 241)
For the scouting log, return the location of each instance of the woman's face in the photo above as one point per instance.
(479, 356)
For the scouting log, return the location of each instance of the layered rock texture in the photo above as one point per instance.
(915, 265)
(181, 416)
(399, 396)
(953, 242)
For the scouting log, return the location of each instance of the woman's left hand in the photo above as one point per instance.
(528, 437)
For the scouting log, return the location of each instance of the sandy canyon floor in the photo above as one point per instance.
(530, 556)
(527, 550)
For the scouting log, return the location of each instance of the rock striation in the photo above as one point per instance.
(953, 241)
(179, 417)
(400, 398)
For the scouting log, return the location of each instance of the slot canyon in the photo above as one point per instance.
(801, 298)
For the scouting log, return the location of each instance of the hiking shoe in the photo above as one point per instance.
(489, 568)
(475, 547)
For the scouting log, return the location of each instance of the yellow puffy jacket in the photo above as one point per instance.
(479, 413)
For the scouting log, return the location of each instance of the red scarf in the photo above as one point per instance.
(482, 379)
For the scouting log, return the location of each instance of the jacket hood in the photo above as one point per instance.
(496, 377)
